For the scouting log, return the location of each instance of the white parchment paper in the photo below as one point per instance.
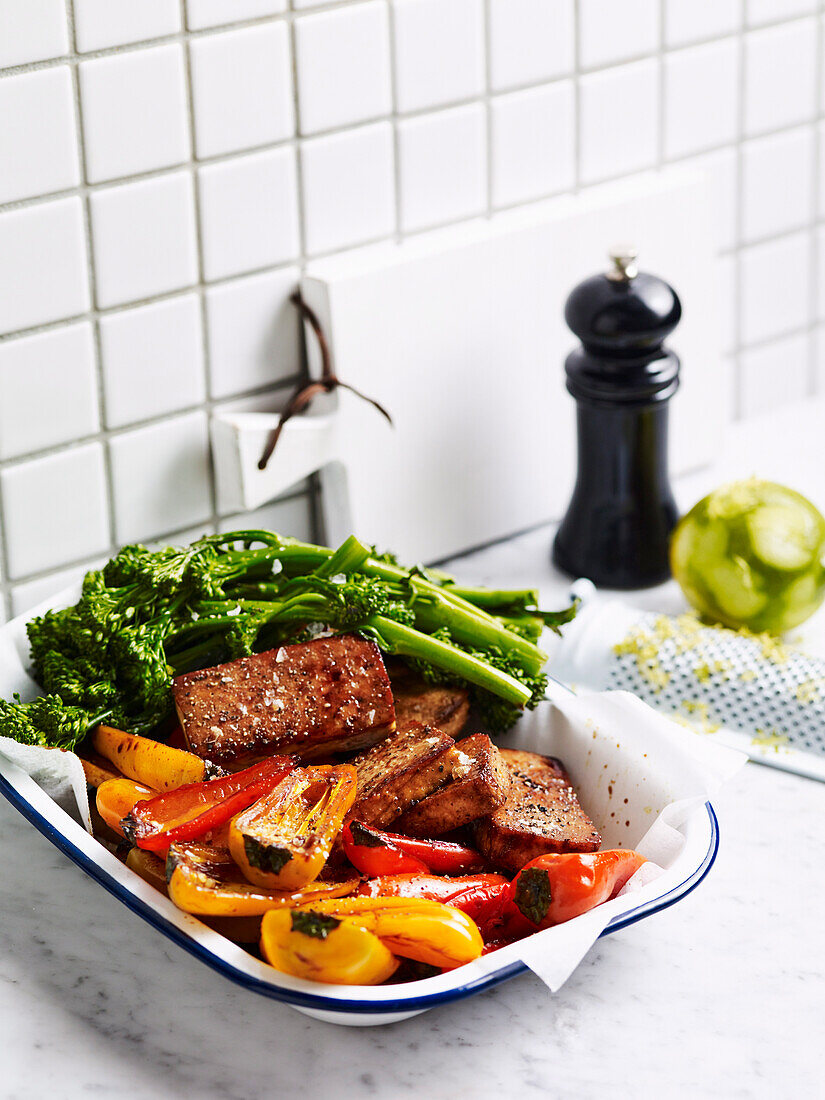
(640, 777)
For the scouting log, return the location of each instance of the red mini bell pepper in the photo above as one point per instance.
(561, 885)
(191, 811)
(481, 897)
(374, 852)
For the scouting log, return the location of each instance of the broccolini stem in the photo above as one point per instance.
(527, 625)
(475, 628)
(499, 599)
(348, 558)
(434, 606)
(407, 642)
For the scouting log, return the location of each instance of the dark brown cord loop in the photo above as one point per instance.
(307, 391)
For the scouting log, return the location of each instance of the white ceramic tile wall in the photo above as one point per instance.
(38, 147)
(442, 164)
(343, 64)
(157, 206)
(152, 360)
(48, 391)
(134, 112)
(102, 23)
(439, 52)
(32, 30)
(249, 213)
(160, 478)
(144, 238)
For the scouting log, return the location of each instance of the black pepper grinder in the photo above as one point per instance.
(618, 524)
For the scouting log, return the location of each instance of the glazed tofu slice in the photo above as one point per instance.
(446, 708)
(325, 696)
(542, 814)
(478, 784)
(398, 773)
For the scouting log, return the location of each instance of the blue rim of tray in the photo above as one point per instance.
(319, 1001)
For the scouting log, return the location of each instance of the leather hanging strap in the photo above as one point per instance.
(305, 393)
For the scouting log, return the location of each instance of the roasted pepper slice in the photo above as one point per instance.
(323, 948)
(479, 896)
(284, 840)
(97, 769)
(206, 882)
(414, 928)
(561, 885)
(149, 867)
(115, 798)
(151, 762)
(152, 869)
(375, 852)
(192, 811)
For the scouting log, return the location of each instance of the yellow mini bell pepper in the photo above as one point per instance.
(323, 948)
(283, 841)
(152, 869)
(415, 928)
(206, 882)
(146, 761)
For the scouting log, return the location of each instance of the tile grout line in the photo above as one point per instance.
(86, 190)
(221, 404)
(577, 97)
(395, 118)
(815, 257)
(291, 16)
(736, 356)
(297, 140)
(487, 100)
(161, 536)
(662, 89)
(194, 180)
(314, 493)
(186, 34)
(108, 476)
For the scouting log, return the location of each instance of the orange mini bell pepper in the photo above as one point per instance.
(115, 799)
(561, 885)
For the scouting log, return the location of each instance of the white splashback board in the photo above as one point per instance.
(460, 334)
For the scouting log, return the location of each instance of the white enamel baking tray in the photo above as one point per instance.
(622, 788)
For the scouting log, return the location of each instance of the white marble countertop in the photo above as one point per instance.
(719, 996)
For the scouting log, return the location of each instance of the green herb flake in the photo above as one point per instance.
(265, 857)
(318, 925)
(365, 837)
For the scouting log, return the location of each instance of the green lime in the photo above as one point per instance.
(752, 554)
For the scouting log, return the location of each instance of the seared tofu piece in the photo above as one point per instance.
(542, 814)
(325, 696)
(446, 708)
(478, 784)
(398, 773)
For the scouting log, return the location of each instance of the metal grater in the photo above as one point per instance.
(749, 691)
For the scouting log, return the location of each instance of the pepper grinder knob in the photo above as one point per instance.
(624, 268)
(617, 528)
